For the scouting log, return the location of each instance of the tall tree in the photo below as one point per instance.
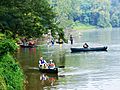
(31, 18)
(94, 12)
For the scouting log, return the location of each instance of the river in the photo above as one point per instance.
(83, 71)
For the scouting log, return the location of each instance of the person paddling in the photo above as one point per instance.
(42, 63)
(52, 41)
(51, 65)
(85, 45)
(71, 39)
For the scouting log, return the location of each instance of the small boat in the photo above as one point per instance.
(50, 71)
(88, 49)
(28, 46)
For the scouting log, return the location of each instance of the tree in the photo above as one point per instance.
(62, 8)
(94, 12)
(115, 14)
(30, 18)
(115, 20)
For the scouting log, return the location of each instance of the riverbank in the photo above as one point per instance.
(11, 74)
(80, 26)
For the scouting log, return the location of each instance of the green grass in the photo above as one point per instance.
(80, 26)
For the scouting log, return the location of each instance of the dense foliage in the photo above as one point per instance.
(100, 13)
(10, 74)
(30, 18)
(115, 13)
(7, 46)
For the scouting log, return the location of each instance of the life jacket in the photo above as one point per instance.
(51, 64)
(42, 62)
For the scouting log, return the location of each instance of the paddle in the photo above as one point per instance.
(61, 66)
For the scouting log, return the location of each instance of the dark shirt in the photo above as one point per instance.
(85, 45)
(71, 38)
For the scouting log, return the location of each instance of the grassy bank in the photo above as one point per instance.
(80, 26)
(11, 75)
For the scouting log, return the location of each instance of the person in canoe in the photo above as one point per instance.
(85, 45)
(42, 63)
(31, 43)
(52, 41)
(51, 64)
(71, 39)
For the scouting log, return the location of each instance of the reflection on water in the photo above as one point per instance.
(48, 79)
(83, 71)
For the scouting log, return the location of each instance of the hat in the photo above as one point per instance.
(51, 60)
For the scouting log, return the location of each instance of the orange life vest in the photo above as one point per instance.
(52, 64)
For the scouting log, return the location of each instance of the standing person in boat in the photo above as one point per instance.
(48, 42)
(51, 64)
(85, 45)
(60, 42)
(71, 39)
(42, 63)
(52, 41)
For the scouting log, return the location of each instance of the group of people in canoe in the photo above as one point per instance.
(44, 65)
(27, 42)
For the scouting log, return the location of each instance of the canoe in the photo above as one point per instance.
(28, 46)
(50, 71)
(88, 49)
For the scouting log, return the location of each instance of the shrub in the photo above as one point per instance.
(11, 72)
(11, 76)
(7, 45)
